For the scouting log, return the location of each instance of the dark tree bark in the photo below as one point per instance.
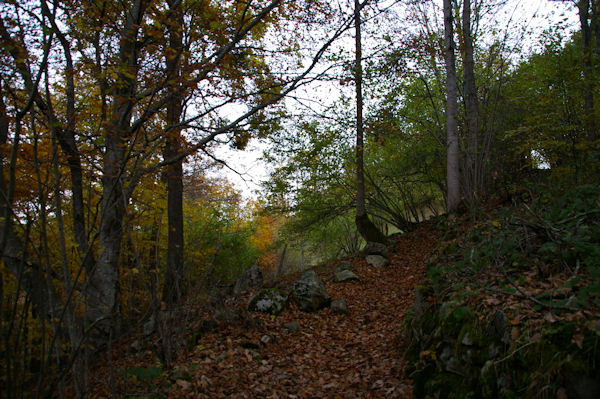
(472, 172)
(173, 290)
(595, 24)
(588, 83)
(281, 260)
(365, 227)
(103, 283)
(452, 163)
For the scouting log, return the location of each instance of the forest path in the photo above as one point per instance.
(337, 356)
(331, 356)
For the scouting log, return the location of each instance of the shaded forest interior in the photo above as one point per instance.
(447, 152)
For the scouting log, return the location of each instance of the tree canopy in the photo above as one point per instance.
(113, 204)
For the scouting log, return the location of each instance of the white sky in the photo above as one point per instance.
(536, 14)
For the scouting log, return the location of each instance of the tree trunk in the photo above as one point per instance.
(66, 139)
(452, 172)
(472, 109)
(365, 227)
(595, 24)
(588, 84)
(173, 289)
(102, 290)
(281, 261)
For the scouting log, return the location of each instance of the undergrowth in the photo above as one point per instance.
(511, 306)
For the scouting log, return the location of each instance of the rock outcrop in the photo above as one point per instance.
(250, 279)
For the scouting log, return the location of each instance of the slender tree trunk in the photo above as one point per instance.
(282, 260)
(66, 139)
(365, 227)
(360, 174)
(76, 333)
(173, 290)
(472, 108)
(595, 24)
(588, 84)
(452, 163)
(302, 257)
(12, 249)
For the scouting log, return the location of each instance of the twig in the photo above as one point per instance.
(531, 298)
(514, 352)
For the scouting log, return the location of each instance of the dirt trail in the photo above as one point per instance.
(334, 356)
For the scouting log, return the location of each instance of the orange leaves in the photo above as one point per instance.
(264, 238)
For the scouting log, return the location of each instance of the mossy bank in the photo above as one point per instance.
(510, 307)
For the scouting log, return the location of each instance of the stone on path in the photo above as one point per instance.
(345, 265)
(376, 248)
(339, 306)
(377, 261)
(310, 293)
(344, 276)
(270, 301)
(250, 279)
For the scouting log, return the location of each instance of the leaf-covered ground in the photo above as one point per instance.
(337, 356)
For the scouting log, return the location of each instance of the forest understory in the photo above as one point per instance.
(499, 302)
(123, 239)
(255, 355)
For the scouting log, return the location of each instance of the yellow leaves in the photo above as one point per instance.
(428, 353)
(216, 25)
(201, 348)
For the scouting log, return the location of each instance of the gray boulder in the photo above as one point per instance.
(375, 248)
(225, 314)
(292, 326)
(269, 301)
(345, 265)
(339, 306)
(309, 292)
(150, 326)
(250, 279)
(344, 275)
(377, 261)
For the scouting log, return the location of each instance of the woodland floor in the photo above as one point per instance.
(333, 356)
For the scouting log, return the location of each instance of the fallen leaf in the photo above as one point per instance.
(549, 317)
(514, 334)
(517, 320)
(183, 384)
(492, 301)
(578, 340)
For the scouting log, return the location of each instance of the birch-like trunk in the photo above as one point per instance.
(473, 172)
(452, 154)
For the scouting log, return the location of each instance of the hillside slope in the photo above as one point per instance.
(332, 355)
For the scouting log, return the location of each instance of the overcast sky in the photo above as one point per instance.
(536, 14)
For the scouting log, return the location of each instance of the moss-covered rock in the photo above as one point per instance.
(310, 293)
(460, 345)
(270, 301)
